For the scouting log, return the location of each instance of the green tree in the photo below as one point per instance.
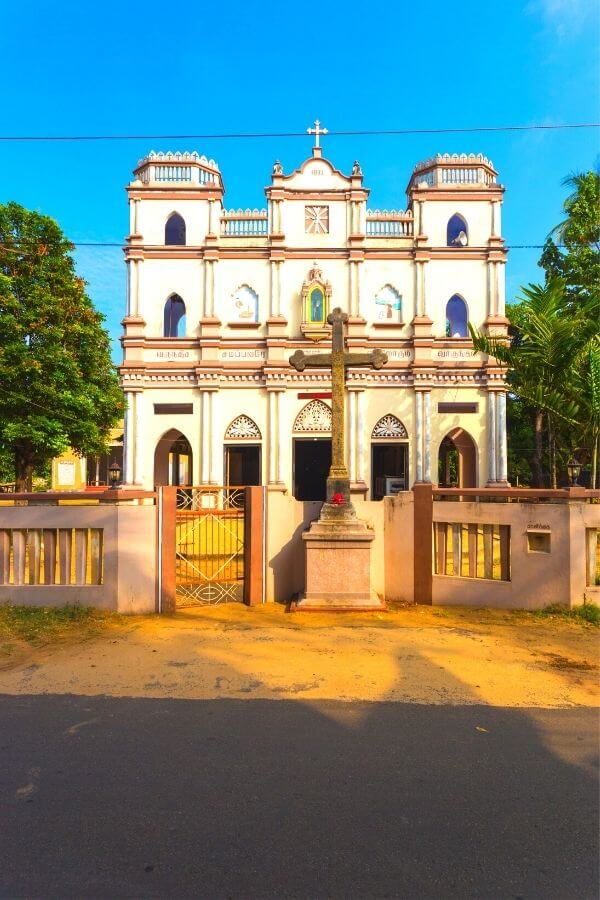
(577, 261)
(546, 363)
(58, 386)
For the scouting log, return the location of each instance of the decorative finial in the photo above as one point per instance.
(356, 169)
(317, 131)
(277, 168)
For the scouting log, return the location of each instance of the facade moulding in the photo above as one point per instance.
(154, 192)
(466, 193)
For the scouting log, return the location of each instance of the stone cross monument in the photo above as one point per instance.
(338, 481)
(338, 545)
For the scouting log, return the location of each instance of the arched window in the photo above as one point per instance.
(388, 305)
(243, 305)
(174, 323)
(457, 317)
(457, 233)
(315, 306)
(175, 230)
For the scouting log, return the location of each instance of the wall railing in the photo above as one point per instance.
(51, 556)
(244, 223)
(393, 223)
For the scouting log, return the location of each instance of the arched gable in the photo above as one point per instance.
(242, 428)
(389, 426)
(315, 417)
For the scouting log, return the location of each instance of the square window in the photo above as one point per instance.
(316, 219)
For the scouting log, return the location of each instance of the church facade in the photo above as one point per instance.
(218, 301)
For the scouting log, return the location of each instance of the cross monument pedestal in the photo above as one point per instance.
(338, 544)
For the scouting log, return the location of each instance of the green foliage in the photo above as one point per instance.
(587, 612)
(553, 358)
(34, 624)
(58, 386)
(579, 262)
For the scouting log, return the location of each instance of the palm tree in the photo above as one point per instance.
(545, 348)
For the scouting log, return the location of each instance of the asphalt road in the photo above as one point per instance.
(110, 797)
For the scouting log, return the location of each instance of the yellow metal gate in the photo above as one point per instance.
(209, 545)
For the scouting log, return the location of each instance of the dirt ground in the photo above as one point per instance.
(416, 655)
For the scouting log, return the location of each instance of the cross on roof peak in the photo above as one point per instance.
(317, 131)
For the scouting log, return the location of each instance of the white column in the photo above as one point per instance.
(215, 457)
(209, 287)
(273, 437)
(490, 289)
(128, 286)
(492, 436)
(132, 216)
(501, 288)
(128, 439)
(205, 425)
(502, 466)
(360, 423)
(419, 433)
(352, 436)
(283, 438)
(495, 218)
(133, 287)
(277, 297)
(427, 437)
(139, 442)
(212, 209)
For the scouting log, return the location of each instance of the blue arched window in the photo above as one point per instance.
(457, 233)
(457, 317)
(174, 322)
(175, 230)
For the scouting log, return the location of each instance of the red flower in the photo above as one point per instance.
(338, 499)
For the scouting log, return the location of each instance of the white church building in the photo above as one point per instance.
(218, 300)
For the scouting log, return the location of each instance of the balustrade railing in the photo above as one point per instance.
(176, 174)
(244, 223)
(381, 223)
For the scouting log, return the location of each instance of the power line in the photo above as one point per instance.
(122, 245)
(381, 132)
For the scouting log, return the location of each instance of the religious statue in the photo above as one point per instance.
(356, 169)
(277, 168)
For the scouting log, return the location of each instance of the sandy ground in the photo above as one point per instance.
(417, 655)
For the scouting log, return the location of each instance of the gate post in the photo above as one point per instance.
(167, 510)
(254, 545)
(423, 542)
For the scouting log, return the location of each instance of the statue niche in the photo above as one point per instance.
(316, 297)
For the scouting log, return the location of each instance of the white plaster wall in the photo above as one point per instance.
(477, 213)
(294, 226)
(153, 214)
(466, 277)
(399, 273)
(161, 278)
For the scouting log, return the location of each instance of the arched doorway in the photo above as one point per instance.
(457, 462)
(242, 452)
(173, 459)
(389, 457)
(312, 451)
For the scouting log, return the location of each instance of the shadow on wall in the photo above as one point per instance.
(287, 565)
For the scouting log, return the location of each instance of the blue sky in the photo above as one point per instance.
(122, 68)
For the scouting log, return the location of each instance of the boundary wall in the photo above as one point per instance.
(504, 548)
